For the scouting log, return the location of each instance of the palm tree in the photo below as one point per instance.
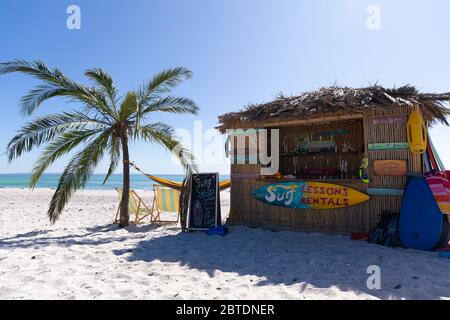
(103, 125)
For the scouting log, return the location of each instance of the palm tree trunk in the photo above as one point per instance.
(124, 216)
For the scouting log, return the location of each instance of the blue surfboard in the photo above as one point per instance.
(420, 218)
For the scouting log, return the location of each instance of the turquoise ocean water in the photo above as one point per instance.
(138, 181)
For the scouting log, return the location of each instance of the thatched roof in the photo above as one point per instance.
(340, 100)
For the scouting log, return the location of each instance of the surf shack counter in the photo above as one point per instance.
(324, 138)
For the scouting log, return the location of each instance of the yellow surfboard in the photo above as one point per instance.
(309, 195)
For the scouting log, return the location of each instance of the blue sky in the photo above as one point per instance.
(241, 51)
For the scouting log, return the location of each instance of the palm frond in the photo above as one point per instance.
(162, 134)
(128, 107)
(104, 82)
(37, 69)
(163, 82)
(35, 97)
(57, 148)
(76, 174)
(89, 97)
(156, 128)
(114, 153)
(56, 85)
(171, 104)
(44, 129)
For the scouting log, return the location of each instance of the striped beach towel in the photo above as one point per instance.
(439, 183)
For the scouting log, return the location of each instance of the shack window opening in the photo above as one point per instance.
(326, 151)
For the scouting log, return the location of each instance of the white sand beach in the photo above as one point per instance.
(84, 256)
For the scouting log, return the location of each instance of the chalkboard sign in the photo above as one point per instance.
(204, 202)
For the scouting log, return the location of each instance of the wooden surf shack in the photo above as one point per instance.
(324, 135)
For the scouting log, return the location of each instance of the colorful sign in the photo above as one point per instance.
(384, 192)
(316, 146)
(331, 133)
(299, 136)
(388, 119)
(388, 146)
(243, 132)
(390, 167)
(309, 195)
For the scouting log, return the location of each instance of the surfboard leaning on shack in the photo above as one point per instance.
(309, 195)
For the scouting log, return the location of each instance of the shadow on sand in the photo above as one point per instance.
(40, 238)
(269, 258)
(277, 263)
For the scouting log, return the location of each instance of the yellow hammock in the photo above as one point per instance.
(176, 185)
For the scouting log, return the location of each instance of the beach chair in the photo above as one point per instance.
(165, 200)
(136, 207)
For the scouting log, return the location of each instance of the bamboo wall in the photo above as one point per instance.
(247, 210)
